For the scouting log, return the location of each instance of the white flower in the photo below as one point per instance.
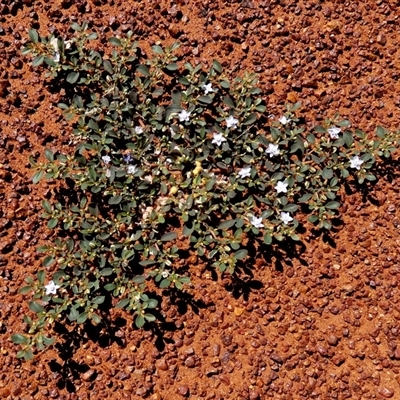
(131, 169)
(286, 218)
(184, 115)
(165, 274)
(51, 288)
(54, 43)
(231, 122)
(281, 187)
(356, 162)
(149, 178)
(334, 132)
(106, 159)
(283, 120)
(218, 139)
(245, 171)
(256, 222)
(207, 88)
(67, 44)
(272, 150)
(138, 130)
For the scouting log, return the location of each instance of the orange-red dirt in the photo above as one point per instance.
(324, 324)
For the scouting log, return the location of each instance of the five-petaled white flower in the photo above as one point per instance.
(356, 162)
(334, 132)
(281, 187)
(218, 139)
(131, 169)
(256, 222)
(51, 288)
(283, 120)
(165, 274)
(207, 88)
(106, 159)
(245, 171)
(286, 218)
(231, 122)
(138, 130)
(184, 115)
(272, 150)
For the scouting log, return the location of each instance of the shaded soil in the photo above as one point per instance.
(323, 324)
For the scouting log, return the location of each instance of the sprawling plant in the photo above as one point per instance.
(166, 151)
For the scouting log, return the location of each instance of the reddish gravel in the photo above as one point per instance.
(323, 324)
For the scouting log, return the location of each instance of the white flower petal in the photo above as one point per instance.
(272, 150)
(281, 187)
(245, 172)
(51, 288)
(286, 218)
(231, 122)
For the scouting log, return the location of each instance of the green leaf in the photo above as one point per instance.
(305, 198)
(25, 289)
(48, 261)
(217, 66)
(72, 77)
(267, 239)
(139, 321)
(19, 339)
(73, 314)
(146, 263)
(205, 99)
(52, 223)
(313, 218)
(47, 207)
(225, 84)
(139, 279)
(37, 176)
(35, 307)
(240, 254)
(149, 317)
(290, 207)
(98, 300)
(184, 279)
(82, 318)
(143, 69)
(251, 119)
(172, 67)
(106, 271)
(122, 303)
(114, 41)
(332, 205)
(327, 173)
(108, 67)
(165, 283)
(115, 200)
(48, 341)
(380, 132)
(157, 49)
(348, 138)
(38, 60)
(49, 155)
(169, 236)
(227, 224)
(228, 101)
(33, 35)
(41, 275)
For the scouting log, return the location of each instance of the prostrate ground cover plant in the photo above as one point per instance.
(166, 151)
